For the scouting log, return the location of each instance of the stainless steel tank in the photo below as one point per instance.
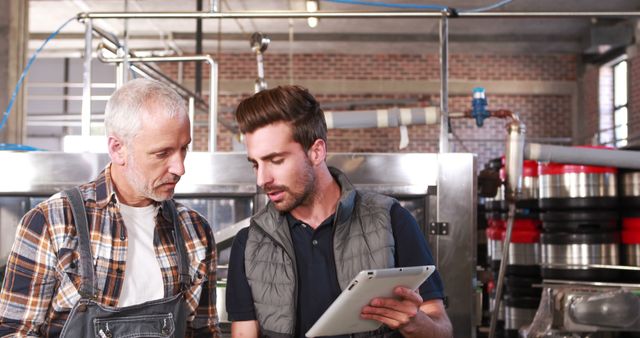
(566, 255)
(577, 186)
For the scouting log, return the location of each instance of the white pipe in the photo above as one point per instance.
(381, 118)
(514, 157)
(444, 84)
(213, 84)
(586, 156)
(192, 120)
(213, 104)
(338, 15)
(86, 79)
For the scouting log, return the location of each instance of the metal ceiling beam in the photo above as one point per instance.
(352, 15)
(348, 37)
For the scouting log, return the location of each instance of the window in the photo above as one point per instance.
(620, 97)
(613, 100)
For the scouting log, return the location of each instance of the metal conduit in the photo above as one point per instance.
(444, 83)
(352, 15)
(381, 118)
(586, 156)
(146, 70)
(442, 15)
(213, 84)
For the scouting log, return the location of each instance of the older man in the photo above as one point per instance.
(117, 256)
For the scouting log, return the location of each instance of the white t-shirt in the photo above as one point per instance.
(142, 275)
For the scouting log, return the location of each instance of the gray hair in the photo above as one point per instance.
(125, 106)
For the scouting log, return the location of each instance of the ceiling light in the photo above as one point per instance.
(312, 22)
(312, 7)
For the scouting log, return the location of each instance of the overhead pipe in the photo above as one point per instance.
(146, 68)
(85, 129)
(198, 85)
(213, 84)
(514, 158)
(151, 72)
(444, 83)
(259, 44)
(381, 118)
(351, 15)
(585, 156)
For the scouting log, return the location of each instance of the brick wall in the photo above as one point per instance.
(590, 105)
(546, 116)
(392, 67)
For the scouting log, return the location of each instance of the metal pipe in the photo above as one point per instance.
(120, 71)
(514, 158)
(185, 92)
(444, 84)
(213, 105)
(213, 84)
(65, 93)
(214, 6)
(586, 156)
(147, 68)
(125, 47)
(352, 15)
(198, 85)
(192, 120)
(503, 269)
(86, 79)
(259, 44)
(255, 15)
(381, 118)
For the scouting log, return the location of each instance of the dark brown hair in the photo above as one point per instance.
(291, 104)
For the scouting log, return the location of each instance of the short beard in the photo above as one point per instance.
(136, 180)
(308, 181)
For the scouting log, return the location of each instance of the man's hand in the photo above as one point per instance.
(245, 329)
(410, 314)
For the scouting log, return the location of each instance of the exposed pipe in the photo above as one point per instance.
(353, 15)
(113, 40)
(444, 83)
(125, 49)
(259, 44)
(192, 120)
(214, 6)
(381, 118)
(85, 130)
(586, 156)
(198, 50)
(514, 158)
(213, 84)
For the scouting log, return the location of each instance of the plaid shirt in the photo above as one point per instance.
(42, 278)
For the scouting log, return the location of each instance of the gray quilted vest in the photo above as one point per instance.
(362, 239)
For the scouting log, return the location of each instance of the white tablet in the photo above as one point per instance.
(343, 316)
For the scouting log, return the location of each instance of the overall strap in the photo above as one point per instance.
(88, 289)
(183, 258)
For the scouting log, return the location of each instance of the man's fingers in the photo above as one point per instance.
(408, 295)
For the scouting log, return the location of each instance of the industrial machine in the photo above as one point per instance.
(439, 190)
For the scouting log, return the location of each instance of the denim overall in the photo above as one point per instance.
(158, 318)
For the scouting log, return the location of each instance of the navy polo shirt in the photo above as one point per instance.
(318, 283)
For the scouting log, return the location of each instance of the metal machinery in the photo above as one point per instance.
(439, 189)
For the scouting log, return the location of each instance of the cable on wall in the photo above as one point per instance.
(420, 6)
(26, 70)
